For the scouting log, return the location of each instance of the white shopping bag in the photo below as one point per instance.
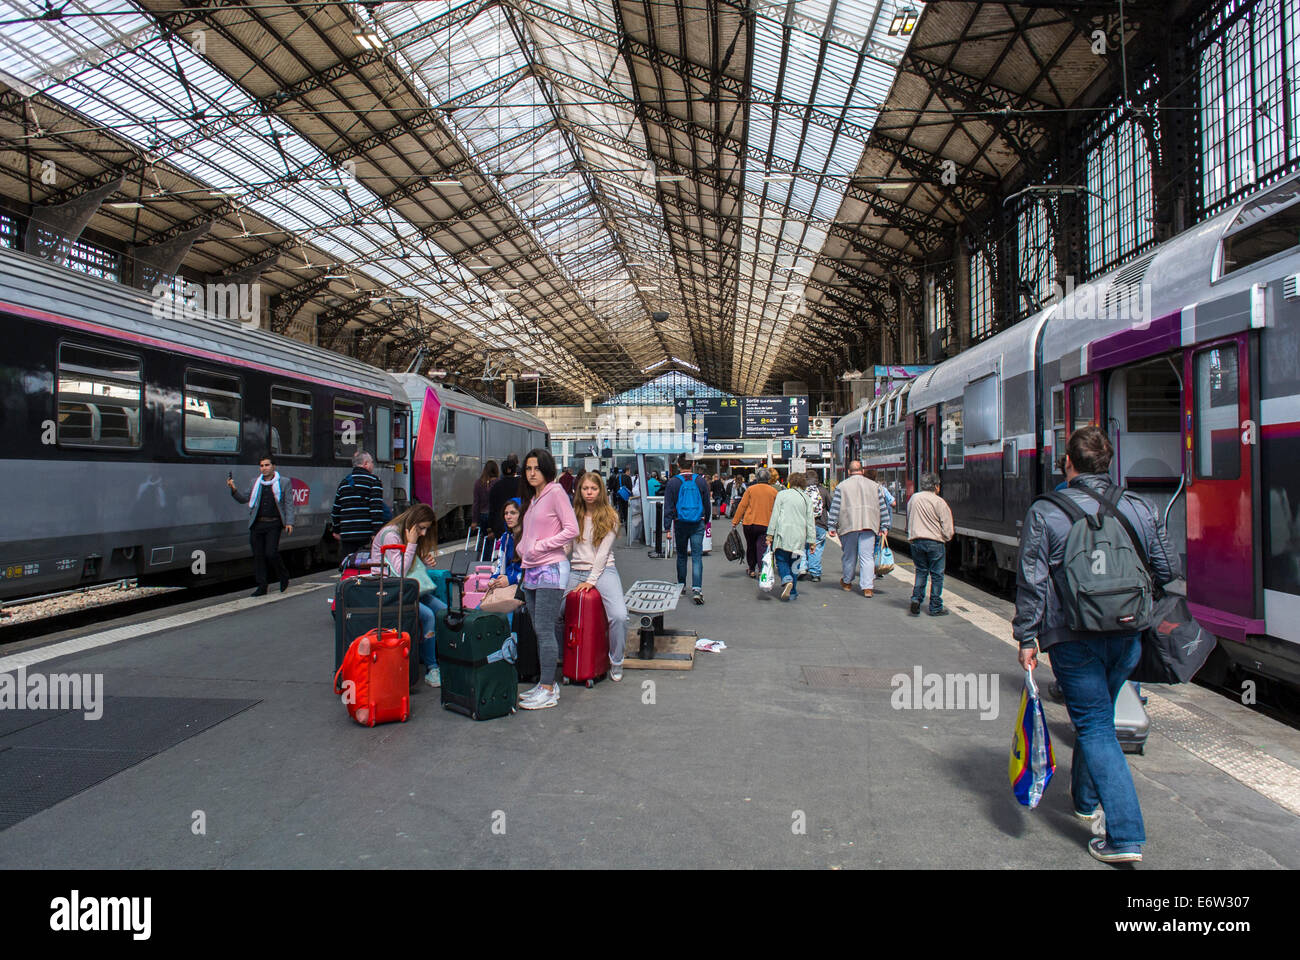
(767, 572)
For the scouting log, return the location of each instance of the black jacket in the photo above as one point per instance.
(503, 490)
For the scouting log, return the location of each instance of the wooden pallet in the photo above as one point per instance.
(674, 650)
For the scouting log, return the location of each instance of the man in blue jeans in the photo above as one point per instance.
(686, 508)
(929, 527)
(1090, 667)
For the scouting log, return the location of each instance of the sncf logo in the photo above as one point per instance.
(301, 493)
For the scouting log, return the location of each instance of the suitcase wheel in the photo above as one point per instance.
(474, 715)
(590, 683)
(512, 709)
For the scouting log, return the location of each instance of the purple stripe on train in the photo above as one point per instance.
(1136, 343)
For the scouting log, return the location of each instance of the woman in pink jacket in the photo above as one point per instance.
(549, 527)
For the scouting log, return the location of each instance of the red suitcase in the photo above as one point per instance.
(586, 637)
(375, 676)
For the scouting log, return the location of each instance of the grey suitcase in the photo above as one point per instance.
(1131, 721)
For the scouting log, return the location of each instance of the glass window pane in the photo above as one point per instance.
(349, 427)
(1154, 398)
(1218, 437)
(1083, 407)
(213, 413)
(99, 398)
(384, 434)
(290, 422)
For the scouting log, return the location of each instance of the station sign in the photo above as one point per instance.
(720, 416)
(775, 417)
(724, 446)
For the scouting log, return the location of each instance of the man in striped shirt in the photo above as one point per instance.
(359, 509)
(859, 512)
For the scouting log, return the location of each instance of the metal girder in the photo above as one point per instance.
(970, 189)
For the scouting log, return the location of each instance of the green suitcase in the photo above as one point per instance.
(471, 684)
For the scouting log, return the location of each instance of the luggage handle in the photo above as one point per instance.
(401, 570)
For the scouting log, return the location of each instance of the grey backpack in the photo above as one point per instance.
(1104, 583)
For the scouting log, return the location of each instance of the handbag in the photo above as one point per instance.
(734, 546)
(767, 572)
(1032, 760)
(501, 600)
(884, 556)
(1174, 645)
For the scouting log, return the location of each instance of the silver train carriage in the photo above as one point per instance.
(1189, 356)
(454, 435)
(123, 419)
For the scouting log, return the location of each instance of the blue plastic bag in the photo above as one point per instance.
(884, 556)
(1032, 760)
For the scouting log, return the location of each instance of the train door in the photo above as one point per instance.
(1220, 436)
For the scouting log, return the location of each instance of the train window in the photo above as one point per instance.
(349, 427)
(99, 397)
(1083, 409)
(893, 411)
(1058, 420)
(1263, 228)
(951, 436)
(450, 422)
(980, 410)
(384, 433)
(290, 422)
(1153, 396)
(214, 406)
(1218, 431)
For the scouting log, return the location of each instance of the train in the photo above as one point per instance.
(1189, 356)
(122, 423)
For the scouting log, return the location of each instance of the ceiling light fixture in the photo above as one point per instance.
(444, 183)
(904, 22)
(530, 376)
(124, 205)
(669, 178)
(647, 289)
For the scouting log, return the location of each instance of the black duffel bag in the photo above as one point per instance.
(1174, 645)
(734, 547)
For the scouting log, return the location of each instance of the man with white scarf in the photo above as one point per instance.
(268, 515)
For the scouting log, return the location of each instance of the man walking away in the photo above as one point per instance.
(929, 528)
(504, 489)
(1091, 666)
(821, 504)
(719, 494)
(685, 509)
(359, 509)
(270, 511)
(859, 512)
(566, 481)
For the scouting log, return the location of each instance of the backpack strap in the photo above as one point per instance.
(1072, 510)
(1110, 504)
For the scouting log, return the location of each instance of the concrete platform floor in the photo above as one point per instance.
(740, 762)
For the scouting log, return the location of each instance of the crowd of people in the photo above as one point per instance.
(549, 532)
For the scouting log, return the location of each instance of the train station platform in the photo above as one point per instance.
(221, 745)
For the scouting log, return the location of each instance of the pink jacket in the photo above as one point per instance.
(549, 526)
(396, 563)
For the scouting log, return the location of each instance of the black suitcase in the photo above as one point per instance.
(528, 663)
(356, 610)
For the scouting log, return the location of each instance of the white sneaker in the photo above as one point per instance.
(616, 673)
(545, 698)
(434, 677)
(530, 692)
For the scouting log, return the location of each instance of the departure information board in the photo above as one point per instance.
(721, 415)
(775, 417)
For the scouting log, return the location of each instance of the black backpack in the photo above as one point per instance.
(1104, 582)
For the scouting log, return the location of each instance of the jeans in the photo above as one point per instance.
(690, 535)
(784, 561)
(928, 557)
(1090, 672)
(265, 540)
(430, 606)
(610, 588)
(860, 544)
(815, 558)
(546, 606)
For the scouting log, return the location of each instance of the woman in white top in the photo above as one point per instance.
(591, 566)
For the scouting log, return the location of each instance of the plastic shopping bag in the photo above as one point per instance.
(767, 572)
(1032, 759)
(884, 556)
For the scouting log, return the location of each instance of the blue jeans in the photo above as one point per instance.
(784, 561)
(1091, 671)
(430, 607)
(860, 544)
(815, 558)
(928, 557)
(690, 535)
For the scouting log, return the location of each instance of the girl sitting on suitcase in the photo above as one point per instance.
(417, 529)
(592, 563)
(506, 568)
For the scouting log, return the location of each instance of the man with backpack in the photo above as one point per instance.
(1088, 556)
(686, 508)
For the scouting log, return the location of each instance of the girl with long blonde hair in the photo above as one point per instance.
(591, 566)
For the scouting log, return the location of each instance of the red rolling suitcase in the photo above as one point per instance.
(375, 676)
(586, 637)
